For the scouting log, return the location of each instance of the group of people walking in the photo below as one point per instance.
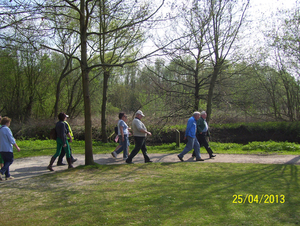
(196, 135)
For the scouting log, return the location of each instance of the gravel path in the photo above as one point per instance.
(35, 166)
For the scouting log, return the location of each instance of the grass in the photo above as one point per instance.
(154, 194)
(48, 147)
(188, 193)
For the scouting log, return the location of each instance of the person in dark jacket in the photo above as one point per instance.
(61, 141)
(202, 133)
(71, 138)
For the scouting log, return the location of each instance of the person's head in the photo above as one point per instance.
(139, 114)
(203, 114)
(5, 121)
(62, 116)
(196, 115)
(122, 116)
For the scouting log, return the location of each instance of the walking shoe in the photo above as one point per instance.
(200, 159)
(61, 164)
(50, 168)
(114, 154)
(181, 159)
(129, 162)
(9, 178)
(148, 161)
(212, 156)
(74, 160)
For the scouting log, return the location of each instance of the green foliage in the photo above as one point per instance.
(271, 146)
(287, 127)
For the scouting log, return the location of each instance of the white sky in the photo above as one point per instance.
(262, 14)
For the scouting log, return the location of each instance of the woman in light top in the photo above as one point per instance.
(123, 133)
(7, 141)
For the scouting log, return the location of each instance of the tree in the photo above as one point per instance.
(89, 22)
(206, 32)
(227, 18)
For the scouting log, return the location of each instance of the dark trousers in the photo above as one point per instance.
(62, 155)
(203, 143)
(140, 144)
(8, 158)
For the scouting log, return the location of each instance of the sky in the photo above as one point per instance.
(261, 13)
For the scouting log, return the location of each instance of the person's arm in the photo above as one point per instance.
(145, 131)
(17, 147)
(188, 127)
(122, 132)
(70, 137)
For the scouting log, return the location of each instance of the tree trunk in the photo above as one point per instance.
(85, 84)
(104, 103)
(215, 74)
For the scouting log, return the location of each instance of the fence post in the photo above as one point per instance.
(177, 138)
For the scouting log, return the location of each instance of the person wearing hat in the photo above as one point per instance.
(139, 134)
(71, 138)
(61, 141)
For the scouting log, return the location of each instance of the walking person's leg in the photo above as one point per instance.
(60, 158)
(138, 145)
(8, 159)
(204, 143)
(144, 151)
(189, 146)
(197, 150)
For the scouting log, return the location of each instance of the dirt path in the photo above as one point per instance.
(35, 166)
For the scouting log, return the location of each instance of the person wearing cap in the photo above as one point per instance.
(61, 141)
(139, 134)
(190, 135)
(71, 138)
(7, 142)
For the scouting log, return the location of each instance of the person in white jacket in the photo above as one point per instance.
(140, 133)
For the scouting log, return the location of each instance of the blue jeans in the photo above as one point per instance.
(192, 143)
(8, 158)
(124, 146)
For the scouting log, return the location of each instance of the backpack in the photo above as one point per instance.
(53, 134)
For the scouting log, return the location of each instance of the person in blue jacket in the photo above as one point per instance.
(190, 135)
(7, 141)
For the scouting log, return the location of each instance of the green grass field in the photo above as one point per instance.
(153, 194)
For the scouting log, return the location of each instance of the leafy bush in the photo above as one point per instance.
(271, 146)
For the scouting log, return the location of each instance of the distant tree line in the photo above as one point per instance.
(88, 58)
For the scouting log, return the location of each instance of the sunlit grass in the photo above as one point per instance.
(155, 194)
